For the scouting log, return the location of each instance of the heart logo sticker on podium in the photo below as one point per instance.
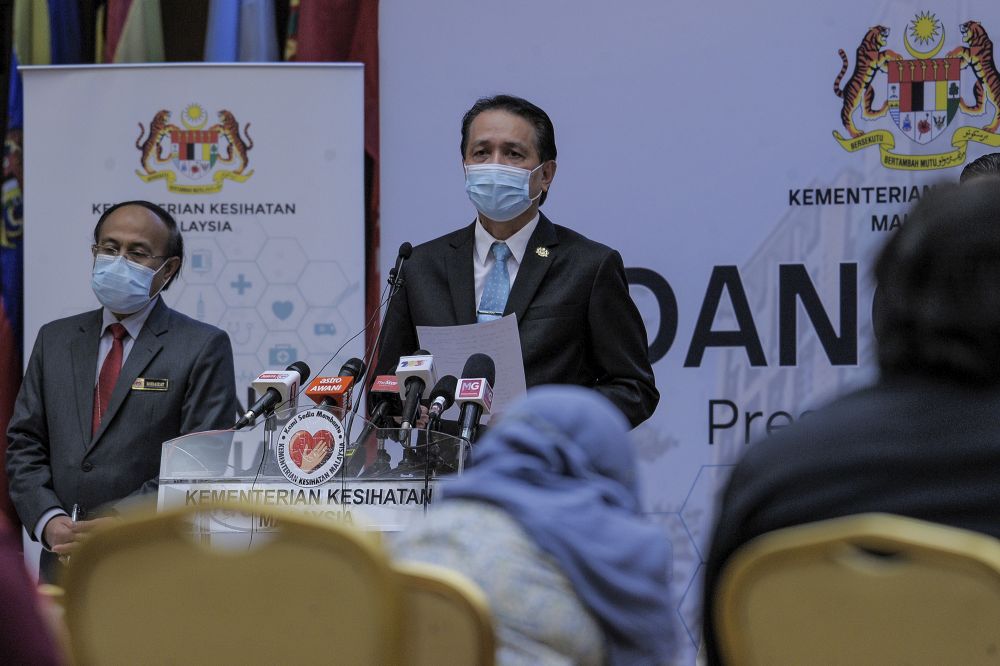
(311, 447)
(309, 451)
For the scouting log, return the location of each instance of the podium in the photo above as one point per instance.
(316, 460)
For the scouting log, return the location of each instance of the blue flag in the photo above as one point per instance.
(241, 31)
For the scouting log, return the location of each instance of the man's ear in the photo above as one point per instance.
(548, 174)
(172, 264)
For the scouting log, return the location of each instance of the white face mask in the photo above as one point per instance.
(121, 285)
(498, 191)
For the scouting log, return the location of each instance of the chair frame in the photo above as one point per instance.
(357, 545)
(949, 549)
(460, 592)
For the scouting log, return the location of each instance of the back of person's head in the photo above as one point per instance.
(576, 431)
(937, 305)
(987, 165)
(560, 463)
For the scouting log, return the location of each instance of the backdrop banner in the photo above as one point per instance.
(261, 165)
(747, 160)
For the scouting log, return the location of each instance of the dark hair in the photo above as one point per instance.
(987, 165)
(175, 241)
(937, 306)
(545, 133)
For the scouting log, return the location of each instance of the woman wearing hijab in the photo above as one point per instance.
(546, 521)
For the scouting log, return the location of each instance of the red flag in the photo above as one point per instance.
(132, 32)
(11, 276)
(339, 31)
(10, 382)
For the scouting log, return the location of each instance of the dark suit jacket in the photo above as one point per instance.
(577, 322)
(52, 460)
(912, 447)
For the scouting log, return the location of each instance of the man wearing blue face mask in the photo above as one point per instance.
(577, 322)
(104, 389)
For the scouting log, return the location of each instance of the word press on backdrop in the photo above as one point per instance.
(261, 165)
(747, 165)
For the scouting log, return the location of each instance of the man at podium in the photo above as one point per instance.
(104, 389)
(576, 319)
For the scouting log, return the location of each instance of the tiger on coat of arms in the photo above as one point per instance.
(979, 54)
(870, 58)
(159, 127)
(230, 129)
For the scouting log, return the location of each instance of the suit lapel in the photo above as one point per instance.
(83, 352)
(533, 267)
(146, 347)
(461, 280)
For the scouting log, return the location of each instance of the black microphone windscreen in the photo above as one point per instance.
(354, 367)
(445, 388)
(301, 368)
(480, 365)
(405, 250)
(392, 400)
(421, 352)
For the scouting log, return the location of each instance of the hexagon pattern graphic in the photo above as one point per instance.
(276, 304)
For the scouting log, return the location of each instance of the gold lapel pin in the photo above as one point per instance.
(542, 251)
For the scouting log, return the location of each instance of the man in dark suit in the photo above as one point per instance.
(577, 321)
(923, 441)
(104, 389)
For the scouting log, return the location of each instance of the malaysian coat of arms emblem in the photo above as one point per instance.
(923, 94)
(191, 158)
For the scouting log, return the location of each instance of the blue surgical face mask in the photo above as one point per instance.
(120, 285)
(498, 191)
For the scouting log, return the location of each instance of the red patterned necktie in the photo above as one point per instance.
(109, 375)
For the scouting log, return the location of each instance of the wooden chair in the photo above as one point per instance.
(145, 592)
(447, 618)
(866, 589)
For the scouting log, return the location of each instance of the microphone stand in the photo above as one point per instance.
(432, 458)
(395, 281)
(270, 453)
(382, 464)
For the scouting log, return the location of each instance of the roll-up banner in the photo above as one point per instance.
(261, 165)
(746, 159)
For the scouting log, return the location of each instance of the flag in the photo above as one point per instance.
(347, 30)
(11, 274)
(44, 33)
(241, 31)
(132, 31)
(65, 37)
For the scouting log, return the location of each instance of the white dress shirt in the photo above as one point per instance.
(482, 258)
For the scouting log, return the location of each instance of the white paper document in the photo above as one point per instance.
(452, 346)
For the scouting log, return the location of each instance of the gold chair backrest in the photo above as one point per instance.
(865, 589)
(447, 619)
(146, 592)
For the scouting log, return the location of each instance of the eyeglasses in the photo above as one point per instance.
(137, 256)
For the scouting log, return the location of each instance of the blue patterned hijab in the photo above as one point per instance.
(560, 463)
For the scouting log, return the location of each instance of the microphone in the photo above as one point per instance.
(442, 397)
(395, 281)
(384, 399)
(336, 391)
(414, 373)
(405, 250)
(275, 387)
(385, 389)
(475, 393)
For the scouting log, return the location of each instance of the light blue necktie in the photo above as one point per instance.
(497, 287)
